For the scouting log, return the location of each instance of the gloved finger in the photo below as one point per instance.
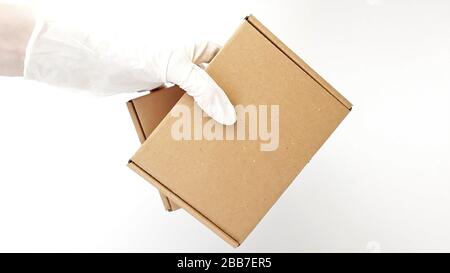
(209, 96)
(204, 52)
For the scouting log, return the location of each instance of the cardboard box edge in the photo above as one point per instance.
(136, 122)
(168, 206)
(194, 212)
(297, 60)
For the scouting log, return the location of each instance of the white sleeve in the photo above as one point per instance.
(62, 55)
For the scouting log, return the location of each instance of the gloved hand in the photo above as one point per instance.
(64, 56)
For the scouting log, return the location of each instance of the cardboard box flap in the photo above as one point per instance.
(296, 59)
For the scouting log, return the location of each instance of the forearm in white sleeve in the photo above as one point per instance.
(65, 56)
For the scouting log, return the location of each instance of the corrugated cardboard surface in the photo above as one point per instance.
(147, 112)
(230, 185)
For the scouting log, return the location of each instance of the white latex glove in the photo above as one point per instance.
(63, 56)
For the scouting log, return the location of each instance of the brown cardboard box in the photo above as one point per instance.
(147, 112)
(229, 185)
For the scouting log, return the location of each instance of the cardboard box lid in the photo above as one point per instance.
(147, 112)
(230, 185)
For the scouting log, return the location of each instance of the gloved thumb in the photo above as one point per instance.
(209, 96)
(183, 69)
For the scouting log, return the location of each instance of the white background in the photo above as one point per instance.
(381, 183)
